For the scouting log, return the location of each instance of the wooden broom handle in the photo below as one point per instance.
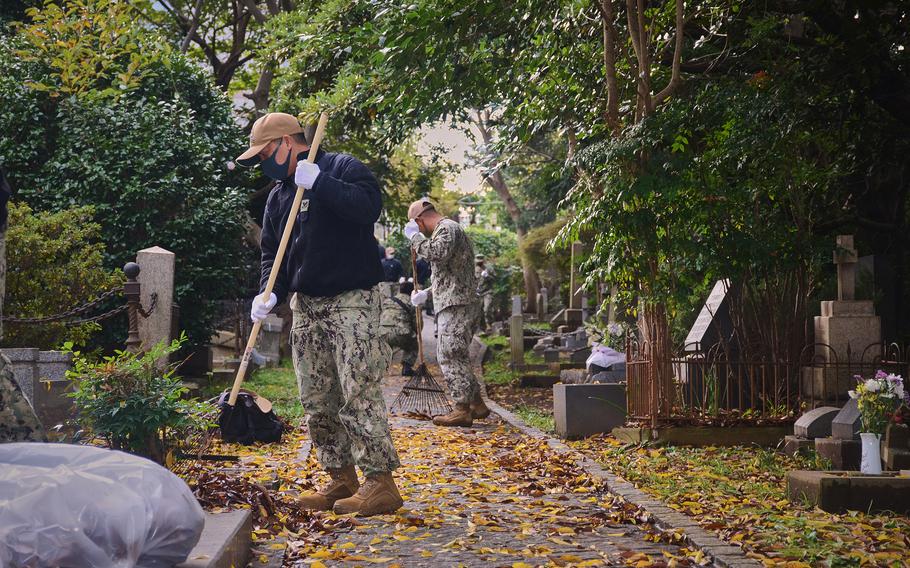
(417, 308)
(279, 257)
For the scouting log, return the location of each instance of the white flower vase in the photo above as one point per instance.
(871, 462)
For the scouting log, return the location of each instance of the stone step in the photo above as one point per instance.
(225, 541)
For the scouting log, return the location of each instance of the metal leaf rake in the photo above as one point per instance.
(422, 395)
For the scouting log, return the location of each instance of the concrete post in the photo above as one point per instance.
(156, 278)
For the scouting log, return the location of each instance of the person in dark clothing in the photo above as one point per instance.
(332, 270)
(391, 266)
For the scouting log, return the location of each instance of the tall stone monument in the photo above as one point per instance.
(846, 333)
(156, 278)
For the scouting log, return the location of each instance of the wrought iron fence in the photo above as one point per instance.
(722, 386)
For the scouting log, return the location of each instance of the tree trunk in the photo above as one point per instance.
(499, 185)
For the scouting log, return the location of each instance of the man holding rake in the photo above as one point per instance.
(332, 271)
(451, 257)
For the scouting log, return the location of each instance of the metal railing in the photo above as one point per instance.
(721, 386)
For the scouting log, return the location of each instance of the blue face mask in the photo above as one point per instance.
(272, 168)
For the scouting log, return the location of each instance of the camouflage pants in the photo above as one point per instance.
(340, 358)
(456, 328)
(407, 342)
(488, 309)
(18, 422)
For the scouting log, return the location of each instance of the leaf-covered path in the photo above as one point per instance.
(488, 496)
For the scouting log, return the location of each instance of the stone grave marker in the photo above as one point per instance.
(815, 423)
(847, 423)
(713, 322)
(581, 410)
(847, 329)
(156, 277)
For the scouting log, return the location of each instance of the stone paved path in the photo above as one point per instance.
(489, 496)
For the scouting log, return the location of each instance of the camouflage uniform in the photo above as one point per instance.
(18, 422)
(399, 326)
(340, 359)
(485, 291)
(451, 255)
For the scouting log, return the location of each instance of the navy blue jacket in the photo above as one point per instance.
(332, 247)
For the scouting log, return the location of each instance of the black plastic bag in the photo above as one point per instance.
(250, 420)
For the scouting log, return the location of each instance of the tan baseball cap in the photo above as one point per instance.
(267, 128)
(418, 208)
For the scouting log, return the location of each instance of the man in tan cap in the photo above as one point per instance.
(331, 269)
(451, 257)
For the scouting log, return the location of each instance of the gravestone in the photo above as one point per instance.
(846, 424)
(544, 307)
(815, 423)
(585, 410)
(847, 329)
(551, 355)
(516, 335)
(156, 278)
(713, 322)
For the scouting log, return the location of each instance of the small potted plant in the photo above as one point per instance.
(878, 399)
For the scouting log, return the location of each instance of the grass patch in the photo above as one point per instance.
(496, 370)
(740, 493)
(536, 418)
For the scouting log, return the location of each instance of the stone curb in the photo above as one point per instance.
(724, 555)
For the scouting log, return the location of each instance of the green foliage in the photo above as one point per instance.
(151, 161)
(54, 262)
(737, 198)
(91, 48)
(500, 251)
(136, 405)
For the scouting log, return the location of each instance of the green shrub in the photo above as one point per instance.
(145, 143)
(54, 263)
(135, 405)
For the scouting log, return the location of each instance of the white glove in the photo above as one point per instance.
(261, 309)
(306, 174)
(411, 229)
(419, 298)
(484, 273)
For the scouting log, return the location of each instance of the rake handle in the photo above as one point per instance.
(279, 258)
(417, 308)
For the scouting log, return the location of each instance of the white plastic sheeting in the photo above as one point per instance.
(87, 507)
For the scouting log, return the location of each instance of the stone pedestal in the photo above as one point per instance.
(795, 445)
(848, 326)
(843, 454)
(156, 277)
(585, 410)
(42, 377)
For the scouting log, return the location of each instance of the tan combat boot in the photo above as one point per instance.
(479, 408)
(378, 495)
(343, 484)
(461, 416)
